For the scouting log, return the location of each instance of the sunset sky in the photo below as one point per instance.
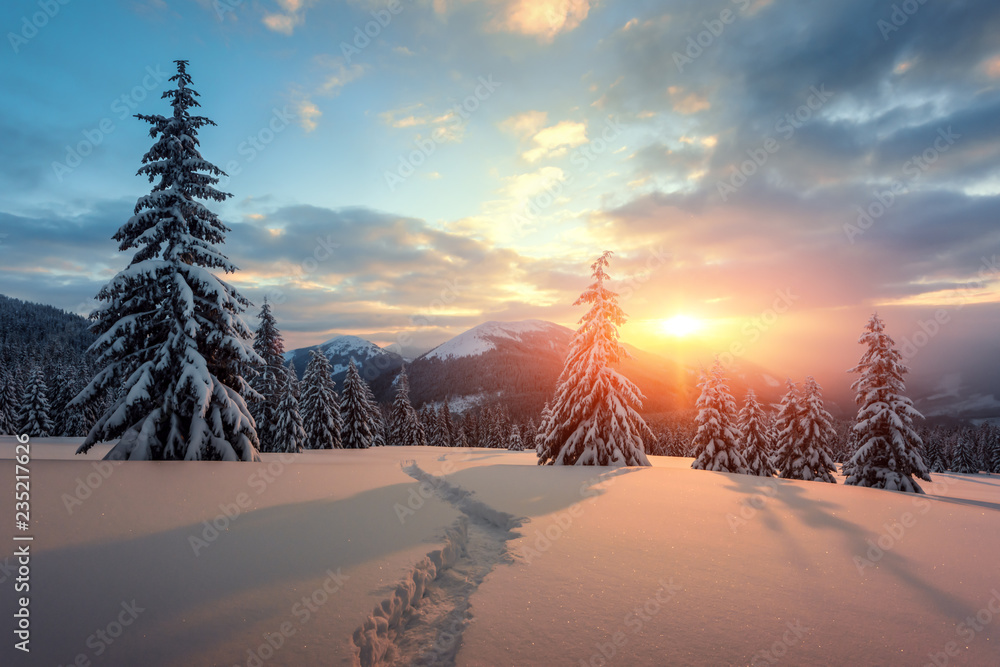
(768, 172)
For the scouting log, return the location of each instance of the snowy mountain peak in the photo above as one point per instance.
(482, 338)
(350, 346)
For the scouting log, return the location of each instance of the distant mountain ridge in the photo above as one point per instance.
(372, 361)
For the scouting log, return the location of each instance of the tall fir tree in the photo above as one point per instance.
(270, 378)
(717, 441)
(755, 443)
(404, 425)
(170, 332)
(34, 416)
(594, 416)
(320, 405)
(888, 453)
(356, 412)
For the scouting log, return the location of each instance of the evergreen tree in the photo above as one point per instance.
(539, 436)
(888, 455)
(965, 462)
(404, 426)
(717, 440)
(320, 405)
(269, 382)
(514, 441)
(356, 412)
(449, 424)
(994, 451)
(288, 432)
(934, 457)
(594, 417)
(804, 435)
(8, 402)
(818, 436)
(169, 331)
(33, 417)
(755, 447)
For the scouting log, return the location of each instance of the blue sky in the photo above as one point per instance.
(728, 151)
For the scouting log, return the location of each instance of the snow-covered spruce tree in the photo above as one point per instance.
(288, 432)
(320, 405)
(818, 435)
(170, 335)
(993, 462)
(888, 453)
(514, 441)
(755, 445)
(269, 382)
(356, 412)
(594, 418)
(33, 416)
(448, 423)
(933, 456)
(404, 425)
(804, 435)
(717, 441)
(8, 404)
(966, 462)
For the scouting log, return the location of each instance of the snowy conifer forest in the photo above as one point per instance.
(519, 333)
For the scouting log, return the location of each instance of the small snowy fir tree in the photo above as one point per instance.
(818, 435)
(356, 412)
(34, 417)
(755, 437)
(994, 451)
(594, 416)
(320, 405)
(170, 334)
(804, 435)
(717, 441)
(288, 433)
(514, 441)
(888, 453)
(404, 426)
(269, 383)
(965, 462)
(449, 424)
(933, 455)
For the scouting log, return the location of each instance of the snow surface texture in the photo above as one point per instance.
(479, 539)
(479, 340)
(661, 566)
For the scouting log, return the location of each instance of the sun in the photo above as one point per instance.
(681, 326)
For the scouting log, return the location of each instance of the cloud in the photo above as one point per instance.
(543, 19)
(308, 114)
(555, 140)
(338, 74)
(525, 124)
(291, 15)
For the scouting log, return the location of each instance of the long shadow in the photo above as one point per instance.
(989, 479)
(814, 512)
(191, 600)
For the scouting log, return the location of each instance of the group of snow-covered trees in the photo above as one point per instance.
(793, 443)
(797, 443)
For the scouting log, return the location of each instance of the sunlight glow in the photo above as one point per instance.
(681, 326)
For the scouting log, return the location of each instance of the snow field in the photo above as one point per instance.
(319, 558)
